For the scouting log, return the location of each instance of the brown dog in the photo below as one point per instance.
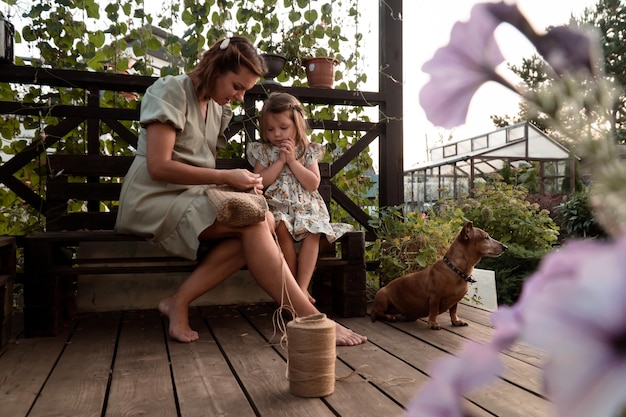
(439, 287)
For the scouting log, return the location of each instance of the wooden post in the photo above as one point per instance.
(391, 84)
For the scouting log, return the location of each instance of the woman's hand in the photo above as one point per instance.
(242, 179)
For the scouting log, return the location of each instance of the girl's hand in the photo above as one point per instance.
(288, 151)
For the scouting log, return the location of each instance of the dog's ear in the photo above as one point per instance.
(467, 231)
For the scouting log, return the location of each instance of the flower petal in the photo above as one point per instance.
(569, 50)
(458, 69)
(454, 377)
(579, 318)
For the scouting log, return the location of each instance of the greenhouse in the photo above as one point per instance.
(521, 152)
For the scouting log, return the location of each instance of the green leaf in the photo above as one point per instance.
(139, 49)
(153, 43)
(311, 15)
(97, 38)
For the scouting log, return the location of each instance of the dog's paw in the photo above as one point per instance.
(433, 325)
(459, 323)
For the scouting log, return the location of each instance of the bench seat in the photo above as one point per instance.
(53, 261)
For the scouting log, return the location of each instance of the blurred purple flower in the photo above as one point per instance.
(577, 314)
(469, 60)
(454, 377)
(460, 68)
(568, 50)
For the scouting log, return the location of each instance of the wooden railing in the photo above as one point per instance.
(92, 117)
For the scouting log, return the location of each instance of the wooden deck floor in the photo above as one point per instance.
(122, 364)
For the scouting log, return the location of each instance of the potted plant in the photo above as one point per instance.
(302, 57)
(320, 69)
(275, 64)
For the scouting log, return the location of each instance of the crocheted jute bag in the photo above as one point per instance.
(237, 208)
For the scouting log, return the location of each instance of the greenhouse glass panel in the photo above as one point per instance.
(446, 170)
(552, 185)
(516, 133)
(432, 185)
(447, 186)
(462, 183)
(464, 147)
(551, 169)
(497, 138)
(480, 142)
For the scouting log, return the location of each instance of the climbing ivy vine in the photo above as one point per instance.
(117, 36)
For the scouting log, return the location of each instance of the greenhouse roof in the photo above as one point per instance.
(521, 141)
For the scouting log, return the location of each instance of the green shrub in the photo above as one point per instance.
(577, 218)
(502, 211)
(512, 268)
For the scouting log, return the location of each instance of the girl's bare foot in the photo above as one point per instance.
(346, 337)
(178, 321)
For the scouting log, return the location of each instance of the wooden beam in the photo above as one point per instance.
(391, 83)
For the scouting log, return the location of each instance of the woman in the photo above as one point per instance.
(163, 198)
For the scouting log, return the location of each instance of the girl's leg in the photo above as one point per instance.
(287, 246)
(307, 258)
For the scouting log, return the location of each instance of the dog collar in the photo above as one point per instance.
(457, 271)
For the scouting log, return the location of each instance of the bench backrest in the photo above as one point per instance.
(95, 182)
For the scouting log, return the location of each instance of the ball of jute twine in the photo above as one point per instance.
(311, 354)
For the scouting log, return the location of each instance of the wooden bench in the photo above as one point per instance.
(53, 261)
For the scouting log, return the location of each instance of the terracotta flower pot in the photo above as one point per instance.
(320, 71)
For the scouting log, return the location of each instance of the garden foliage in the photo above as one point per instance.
(410, 242)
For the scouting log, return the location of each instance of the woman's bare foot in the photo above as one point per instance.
(179, 321)
(346, 337)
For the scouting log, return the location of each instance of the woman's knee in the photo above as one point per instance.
(269, 219)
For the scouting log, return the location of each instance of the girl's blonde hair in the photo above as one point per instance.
(226, 55)
(285, 102)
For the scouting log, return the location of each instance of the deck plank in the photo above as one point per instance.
(388, 360)
(521, 351)
(353, 394)
(502, 399)
(78, 383)
(141, 382)
(261, 369)
(204, 382)
(448, 340)
(232, 370)
(24, 368)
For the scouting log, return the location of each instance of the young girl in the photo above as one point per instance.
(287, 162)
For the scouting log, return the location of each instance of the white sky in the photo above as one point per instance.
(427, 26)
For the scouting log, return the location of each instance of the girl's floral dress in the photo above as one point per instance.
(302, 211)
